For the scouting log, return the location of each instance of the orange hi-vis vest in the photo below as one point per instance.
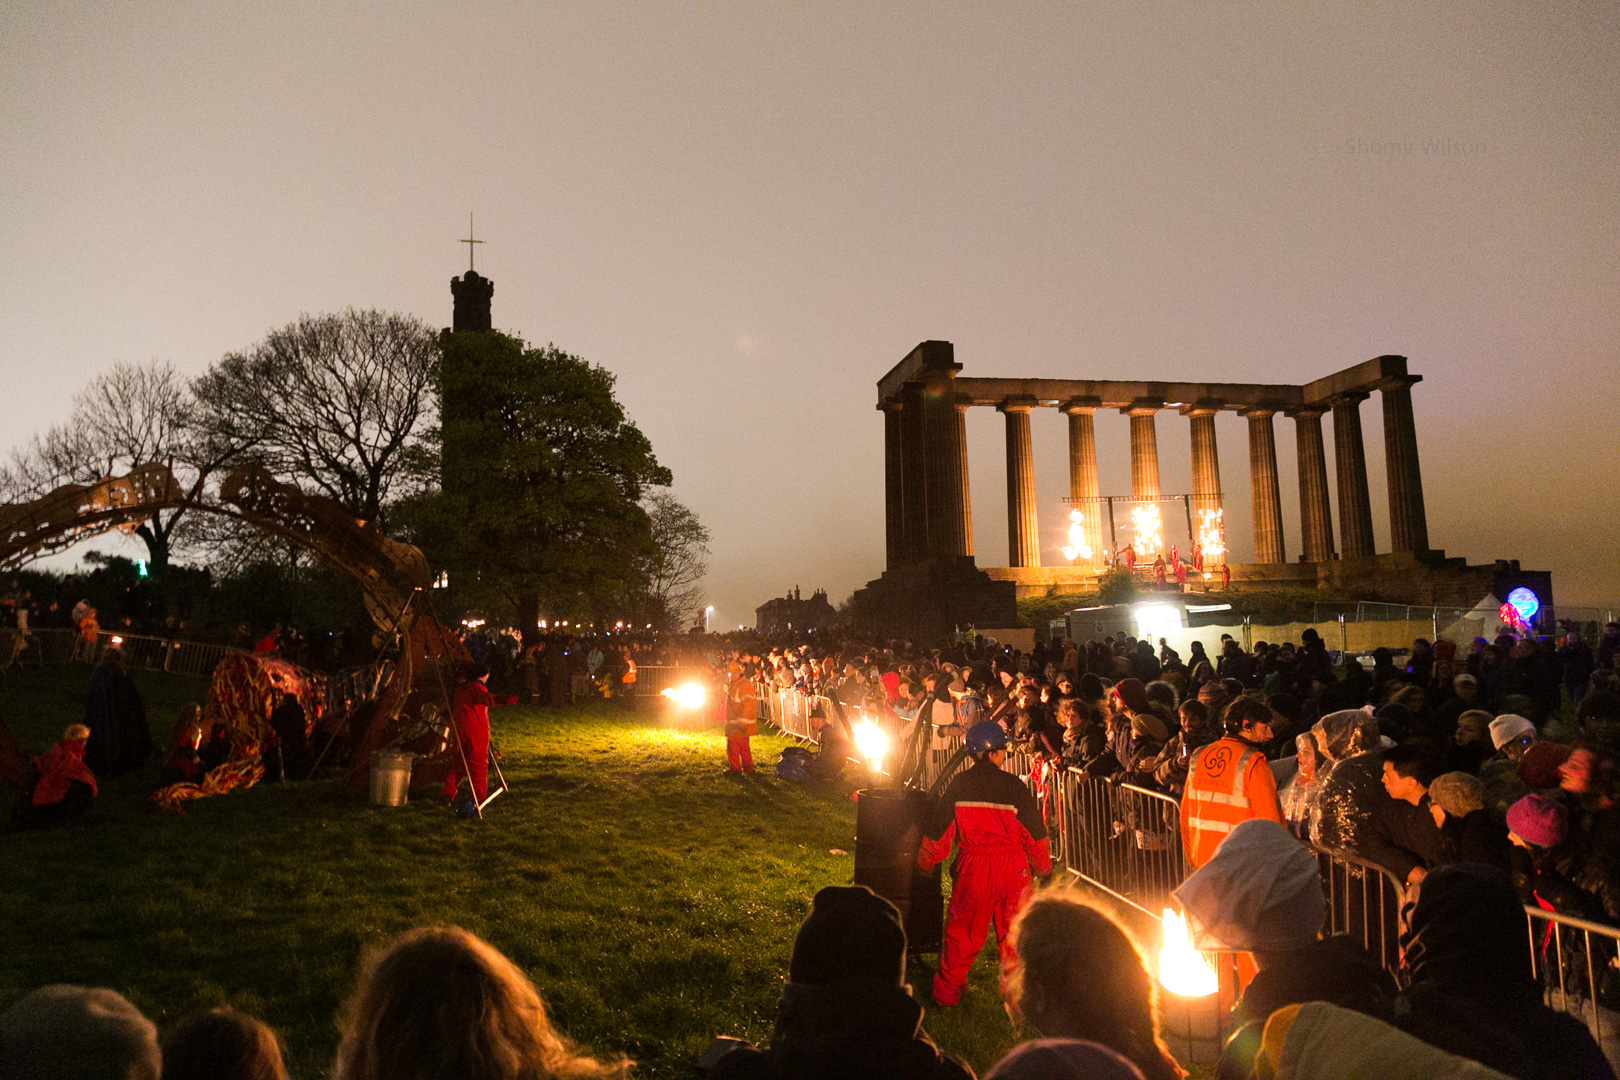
(1229, 783)
(743, 718)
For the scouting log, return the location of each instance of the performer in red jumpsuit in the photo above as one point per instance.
(470, 706)
(997, 827)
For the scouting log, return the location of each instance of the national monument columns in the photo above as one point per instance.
(927, 506)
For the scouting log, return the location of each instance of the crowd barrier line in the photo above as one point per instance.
(142, 652)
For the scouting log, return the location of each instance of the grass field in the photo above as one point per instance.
(652, 899)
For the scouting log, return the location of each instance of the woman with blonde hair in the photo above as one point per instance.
(441, 1002)
(1079, 975)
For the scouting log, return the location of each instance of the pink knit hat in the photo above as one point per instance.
(1537, 820)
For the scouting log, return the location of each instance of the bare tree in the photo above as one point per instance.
(672, 588)
(334, 403)
(135, 414)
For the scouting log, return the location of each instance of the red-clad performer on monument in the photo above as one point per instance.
(742, 720)
(999, 834)
(470, 708)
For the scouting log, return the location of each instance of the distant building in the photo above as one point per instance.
(791, 612)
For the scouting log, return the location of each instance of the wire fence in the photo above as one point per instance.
(141, 652)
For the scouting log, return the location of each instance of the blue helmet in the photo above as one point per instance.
(986, 736)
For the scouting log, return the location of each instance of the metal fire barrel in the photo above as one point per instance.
(888, 831)
(390, 777)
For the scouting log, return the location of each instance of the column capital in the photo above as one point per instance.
(1258, 412)
(1349, 397)
(890, 405)
(1204, 407)
(1017, 405)
(1083, 406)
(964, 402)
(1307, 412)
(1143, 407)
(1400, 382)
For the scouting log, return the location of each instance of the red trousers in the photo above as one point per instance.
(739, 753)
(475, 744)
(990, 888)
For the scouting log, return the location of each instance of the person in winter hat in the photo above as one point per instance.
(846, 1010)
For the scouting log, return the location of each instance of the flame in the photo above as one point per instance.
(1211, 535)
(1077, 546)
(687, 696)
(1183, 969)
(872, 742)
(1147, 536)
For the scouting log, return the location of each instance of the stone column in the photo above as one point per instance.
(1144, 451)
(944, 466)
(1206, 462)
(1023, 530)
(894, 507)
(1408, 523)
(962, 406)
(914, 473)
(1355, 508)
(1084, 491)
(1268, 526)
(1315, 511)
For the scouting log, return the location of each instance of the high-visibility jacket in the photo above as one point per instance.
(1229, 782)
(744, 715)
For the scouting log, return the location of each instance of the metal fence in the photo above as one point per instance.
(143, 652)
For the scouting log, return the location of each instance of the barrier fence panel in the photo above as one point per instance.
(1124, 839)
(39, 648)
(1365, 902)
(1575, 963)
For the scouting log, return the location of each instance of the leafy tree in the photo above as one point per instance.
(541, 480)
(333, 403)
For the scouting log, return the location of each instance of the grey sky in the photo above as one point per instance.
(750, 212)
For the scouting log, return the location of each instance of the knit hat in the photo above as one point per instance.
(1538, 768)
(1133, 694)
(61, 1032)
(1063, 1059)
(1261, 892)
(1538, 820)
(1508, 727)
(1457, 793)
(850, 933)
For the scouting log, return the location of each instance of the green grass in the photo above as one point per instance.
(652, 899)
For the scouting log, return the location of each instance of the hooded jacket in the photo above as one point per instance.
(1471, 988)
(854, 1029)
(58, 768)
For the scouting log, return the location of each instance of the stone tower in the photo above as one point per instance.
(472, 292)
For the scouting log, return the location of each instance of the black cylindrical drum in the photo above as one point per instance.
(888, 832)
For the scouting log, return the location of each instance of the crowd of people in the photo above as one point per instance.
(1441, 770)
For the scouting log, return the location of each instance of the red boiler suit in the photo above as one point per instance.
(470, 707)
(997, 826)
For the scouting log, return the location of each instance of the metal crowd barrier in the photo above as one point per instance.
(1123, 839)
(38, 648)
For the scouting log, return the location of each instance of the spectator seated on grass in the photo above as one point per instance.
(440, 1002)
(1063, 1059)
(846, 1011)
(77, 1033)
(1471, 989)
(222, 1044)
(1262, 894)
(1319, 1041)
(1079, 975)
(62, 786)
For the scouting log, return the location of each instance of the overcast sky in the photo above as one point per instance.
(750, 212)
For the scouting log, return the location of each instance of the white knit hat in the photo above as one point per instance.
(1509, 726)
